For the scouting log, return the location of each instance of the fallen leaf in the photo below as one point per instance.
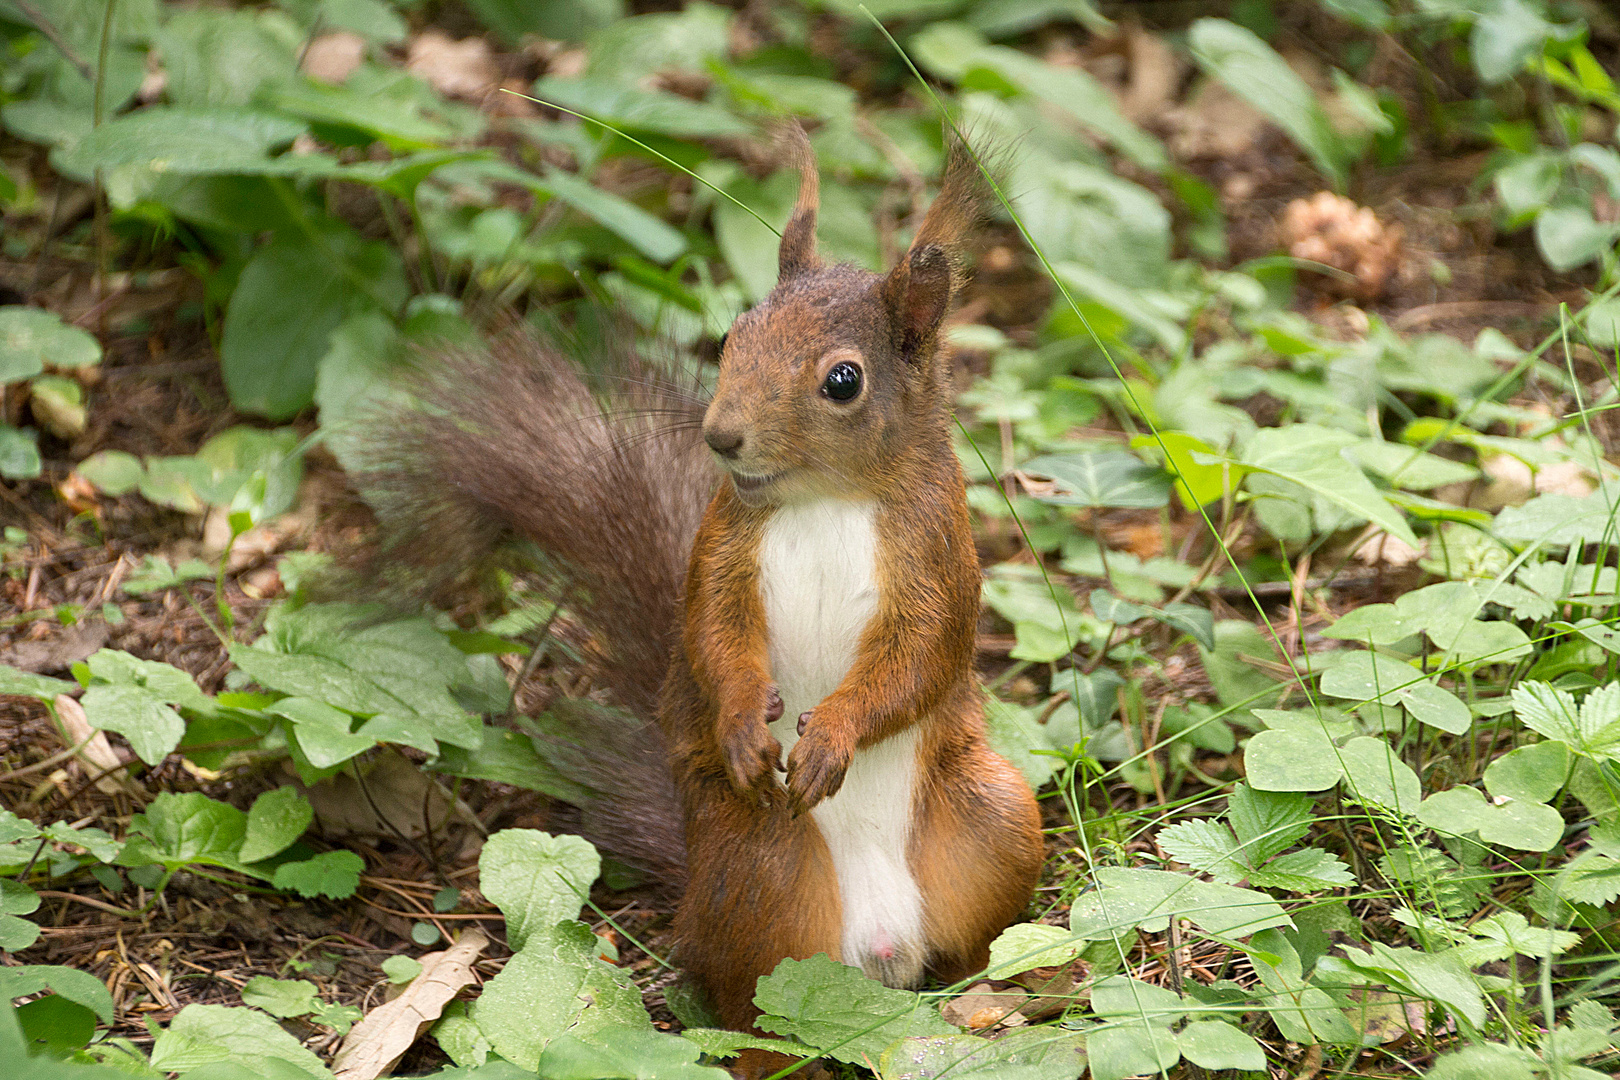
(382, 1038)
(982, 1006)
(463, 69)
(332, 58)
(97, 755)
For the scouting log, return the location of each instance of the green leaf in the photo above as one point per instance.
(217, 57)
(1097, 478)
(556, 984)
(1129, 897)
(1410, 468)
(203, 1034)
(1533, 773)
(1569, 236)
(31, 339)
(279, 997)
(833, 1007)
(324, 734)
(632, 1055)
(113, 471)
(1376, 777)
(1130, 1048)
(27, 684)
(1197, 483)
(1506, 35)
(1216, 1044)
(269, 360)
(72, 984)
(401, 969)
(1315, 458)
(1045, 1053)
(335, 874)
(1292, 759)
(53, 1026)
(1486, 1061)
(1310, 870)
(1368, 677)
(188, 828)
(1267, 823)
(566, 20)
(156, 574)
(1438, 977)
(651, 236)
(19, 453)
(536, 879)
(1023, 946)
(275, 820)
(1252, 69)
(1303, 1013)
(1207, 846)
(1556, 521)
(642, 110)
(186, 142)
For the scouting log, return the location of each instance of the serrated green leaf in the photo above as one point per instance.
(1207, 846)
(1267, 822)
(1310, 870)
(334, 874)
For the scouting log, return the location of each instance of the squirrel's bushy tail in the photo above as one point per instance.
(604, 477)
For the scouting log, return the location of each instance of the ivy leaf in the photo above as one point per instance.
(536, 879)
(833, 1007)
(334, 874)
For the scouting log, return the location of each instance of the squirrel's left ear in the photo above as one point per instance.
(917, 293)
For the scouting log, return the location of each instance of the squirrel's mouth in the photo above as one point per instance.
(748, 484)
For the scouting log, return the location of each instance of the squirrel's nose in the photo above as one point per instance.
(723, 441)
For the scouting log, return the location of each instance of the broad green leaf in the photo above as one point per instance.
(536, 879)
(651, 236)
(1486, 1061)
(188, 828)
(1292, 759)
(1252, 69)
(1315, 458)
(1369, 677)
(1533, 773)
(54, 1026)
(1438, 977)
(1128, 897)
(1120, 997)
(1239, 645)
(833, 1007)
(139, 715)
(630, 50)
(1303, 1013)
(1569, 236)
(279, 997)
(1023, 946)
(633, 1055)
(334, 874)
(31, 338)
(1557, 521)
(188, 142)
(17, 934)
(1098, 478)
(203, 1034)
(1130, 1048)
(1216, 1044)
(716, 1042)
(556, 984)
(1044, 1053)
(1506, 35)
(274, 821)
(269, 360)
(1410, 468)
(1014, 732)
(19, 453)
(642, 110)
(17, 898)
(324, 734)
(1376, 777)
(113, 471)
(215, 57)
(1198, 480)
(74, 985)
(565, 20)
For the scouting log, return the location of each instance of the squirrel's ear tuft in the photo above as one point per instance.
(918, 291)
(798, 253)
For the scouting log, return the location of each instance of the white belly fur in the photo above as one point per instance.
(818, 580)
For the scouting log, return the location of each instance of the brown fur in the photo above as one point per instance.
(761, 884)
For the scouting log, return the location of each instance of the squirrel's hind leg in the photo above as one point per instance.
(761, 887)
(977, 853)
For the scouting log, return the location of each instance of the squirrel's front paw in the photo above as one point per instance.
(818, 763)
(750, 750)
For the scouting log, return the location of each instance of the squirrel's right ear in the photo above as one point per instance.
(798, 253)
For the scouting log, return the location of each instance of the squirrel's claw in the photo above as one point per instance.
(816, 767)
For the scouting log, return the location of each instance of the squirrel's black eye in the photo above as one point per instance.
(843, 382)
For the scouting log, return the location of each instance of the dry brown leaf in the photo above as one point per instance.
(395, 787)
(981, 1006)
(1380, 547)
(97, 755)
(379, 1040)
(463, 69)
(1155, 74)
(332, 58)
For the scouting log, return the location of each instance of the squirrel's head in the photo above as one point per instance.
(838, 370)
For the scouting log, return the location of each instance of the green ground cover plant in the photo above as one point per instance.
(1375, 830)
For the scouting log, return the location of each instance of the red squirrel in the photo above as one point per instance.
(799, 628)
